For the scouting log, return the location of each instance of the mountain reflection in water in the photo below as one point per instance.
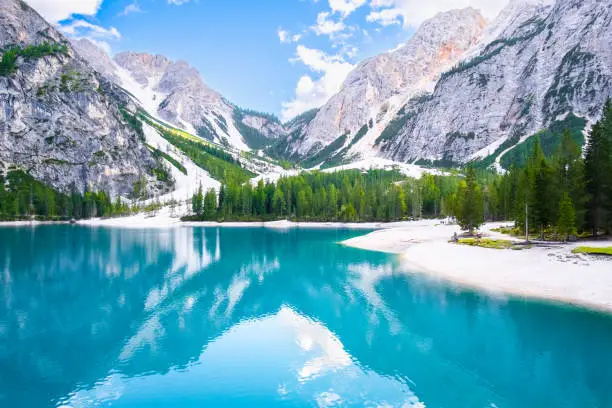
(257, 317)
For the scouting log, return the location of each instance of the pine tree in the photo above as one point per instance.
(597, 175)
(332, 202)
(566, 224)
(246, 200)
(569, 168)
(210, 205)
(196, 201)
(301, 204)
(431, 195)
(278, 203)
(543, 197)
(398, 203)
(607, 133)
(259, 199)
(349, 214)
(470, 206)
(358, 200)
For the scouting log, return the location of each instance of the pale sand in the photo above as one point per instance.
(164, 219)
(543, 273)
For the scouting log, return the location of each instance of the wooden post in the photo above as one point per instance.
(526, 222)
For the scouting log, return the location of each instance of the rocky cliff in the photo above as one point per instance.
(378, 87)
(175, 92)
(59, 119)
(539, 64)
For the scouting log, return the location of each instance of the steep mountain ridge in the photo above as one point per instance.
(175, 92)
(546, 62)
(378, 87)
(59, 119)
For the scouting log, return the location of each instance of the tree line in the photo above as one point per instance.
(353, 195)
(566, 194)
(23, 198)
(563, 194)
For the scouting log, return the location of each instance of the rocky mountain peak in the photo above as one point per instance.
(145, 68)
(537, 65)
(381, 85)
(59, 118)
(445, 32)
(97, 57)
(22, 25)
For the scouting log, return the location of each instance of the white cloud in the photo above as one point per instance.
(286, 38)
(412, 13)
(131, 8)
(84, 28)
(326, 26)
(385, 17)
(345, 7)
(178, 2)
(331, 70)
(351, 51)
(57, 10)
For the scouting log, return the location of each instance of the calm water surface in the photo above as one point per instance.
(196, 317)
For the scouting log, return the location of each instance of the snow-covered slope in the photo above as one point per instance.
(541, 63)
(181, 97)
(378, 87)
(174, 92)
(185, 184)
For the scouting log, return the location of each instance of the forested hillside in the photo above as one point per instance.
(562, 193)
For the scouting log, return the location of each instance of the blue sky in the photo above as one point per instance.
(278, 56)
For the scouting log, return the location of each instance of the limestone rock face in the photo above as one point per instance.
(97, 58)
(538, 64)
(175, 92)
(378, 87)
(60, 118)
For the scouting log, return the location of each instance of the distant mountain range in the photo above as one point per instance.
(175, 92)
(460, 89)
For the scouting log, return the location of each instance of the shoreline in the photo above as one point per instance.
(552, 274)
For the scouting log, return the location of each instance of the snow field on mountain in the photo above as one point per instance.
(186, 185)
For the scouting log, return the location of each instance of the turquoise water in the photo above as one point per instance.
(259, 318)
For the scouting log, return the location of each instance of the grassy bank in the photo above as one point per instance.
(607, 251)
(490, 243)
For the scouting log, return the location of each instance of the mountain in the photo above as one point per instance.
(378, 87)
(539, 64)
(60, 120)
(175, 92)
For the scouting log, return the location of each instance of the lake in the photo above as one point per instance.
(193, 317)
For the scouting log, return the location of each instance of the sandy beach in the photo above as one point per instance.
(549, 273)
(164, 219)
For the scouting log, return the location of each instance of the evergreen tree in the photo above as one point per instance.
(470, 206)
(569, 168)
(278, 203)
(259, 199)
(332, 202)
(597, 175)
(301, 204)
(607, 131)
(349, 214)
(197, 201)
(566, 224)
(210, 205)
(543, 197)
